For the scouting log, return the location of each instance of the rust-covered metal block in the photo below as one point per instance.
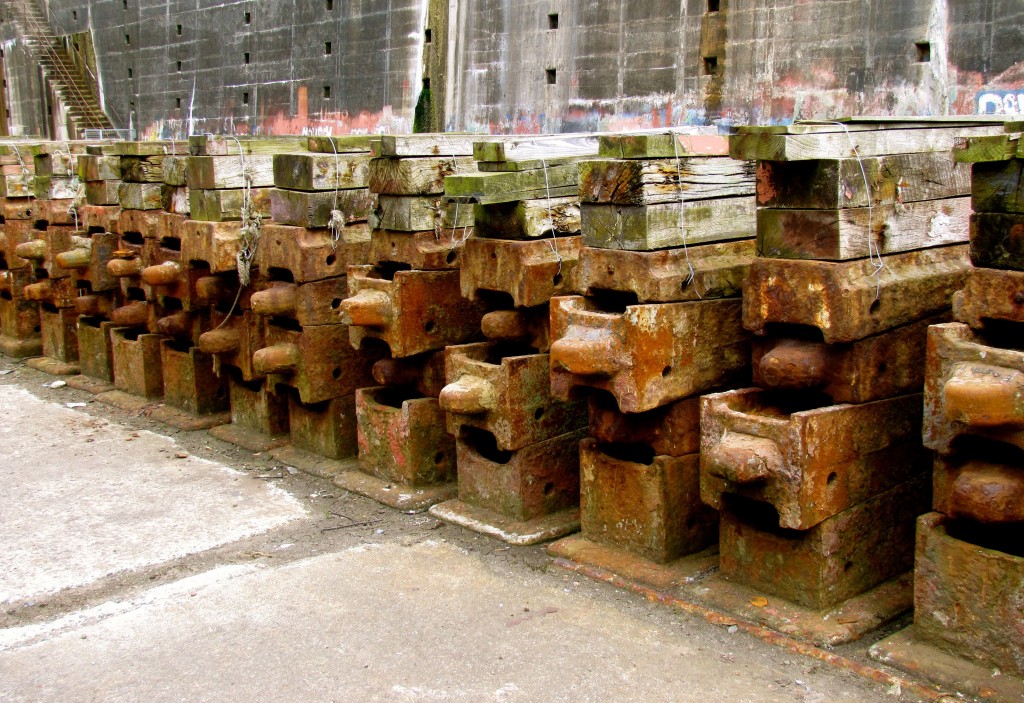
(234, 341)
(215, 243)
(411, 311)
(100, 218)
(317, 361)
(14, 281)
(145, 223)
(60, 333)
(666, 276)
(835, 560)
(967, 597)
(87, 261)
(505, 390)
(46, 244)
(402, 438)
(19, 328)
(56, 211)
(808, 462)
(647, 355)
(98, 305)
(137, 362)
(984, 487)
(327, 428)
(15, 233)
(18, 209)
(671, 430)
(649, 505)
(423, 372)
(57, 292)
(990, 296)
(850, 300)
(881, 366)
(423, 251)
(997, 240)
(259, 417)
(95, 348)
(531, 271)
(529, 326)
(189, 381)
(974, 385)
(311, 254)
(314, 303)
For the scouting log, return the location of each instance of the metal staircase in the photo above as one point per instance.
(68, 81)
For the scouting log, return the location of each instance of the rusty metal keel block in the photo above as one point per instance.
(60, 333)
(412, 312)
(327, 429)
(316, 361)
(56, 211)
(311, 254)
(17, 208)
(100, 218)
(19, 328)
(986, 487)
(424, 372)
(808, 462)
(530, 271)
(530, 326)
(974, 385)
(95, 349)
(665, 276)
(15, 233)
(881, 366)
(259, 418)
(309, 304)
(56, 292)
(990, 295)
(505, 390)
(190, 384)
(137, 362)
(848, 301)
(215, 243)
(646, 504)
(835, 560)
(429, 250)
(672, 430)
(142, 222)
(234, 342)
(43, 248)
(88, 260)
(647, 355)
(14, 281)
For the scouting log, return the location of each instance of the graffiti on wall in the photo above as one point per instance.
(1001, 102)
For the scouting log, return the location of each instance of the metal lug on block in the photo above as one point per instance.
(124, 268)
(279, 299)
(469, 395)
(795, 364)
(988, 493)
(34, 250)
(221, 341)
(984, 396)
(744, 459)
(131, 315)
(177, 325)
(78, 258)
(280, 358)
(594, 356)
(368, 308)
(162, 274)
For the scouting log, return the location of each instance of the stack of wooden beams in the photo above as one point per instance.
(19, 317)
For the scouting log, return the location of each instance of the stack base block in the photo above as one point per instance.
(322, 436)
(515, 532)
(96, 358)
(19, 328)
(633, 567)
(259, 418)
(60, 343)
(20, 348)
(138, 371)
(194, 398)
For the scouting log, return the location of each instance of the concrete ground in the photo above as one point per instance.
(142, 563)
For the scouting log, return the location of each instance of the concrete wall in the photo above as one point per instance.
(542, 65)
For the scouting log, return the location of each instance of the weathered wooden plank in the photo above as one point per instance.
(102, 192)
(415, 176)
(146, 148)
(876, 122)
(17, 186)
(528, 219)
(174, 170)
(997, 240)
(447, 144)
(535, 147)
(58, 163)
(998, 186)
(140, 196)
(839, 183)
(649, 181)
(175, 199)
(842, 145)
(309, 171)
(93, 167)
(142, 169)
(312, 209)
(221, 145)
(513, 185)
(208, 172)
(342, 144)
(663, 145)
(414, 213)
(526, 164)
(999, 147)
(651, 227)
(225, 204)
(57, 188)
(843, 234)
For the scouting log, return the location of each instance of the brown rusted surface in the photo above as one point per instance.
(311, 254)
(57, 292)
(43, 249)
(665, 276)
(672, 430)
(426, 250)
(835, 560)
(100, 218)
(215, 243)
(56, 211)
(402, 438)
(982, 488)
(881, 366)
(327, 429)
(144, 222)
(259, 418)
(59, 333)
(629, 565)
(16, 232)
(88, 264)
(412, 312)
(997, 240)
(314, 303)
(505, 390)
(95, 349)
(808, 462)
(538, 480)
(18, 208)
(647, 355)
(19, 328)
(967, 597)
(848, 301)
(189, 382)
(317, 361)
(164, 274)
(97, 305)
(972, 387)
(137, 362)
(13, 282)
(125, 267)
(530, 326)
(183, 326)
(647, 505)
(990, 295)
(529, 271)
(235, 341)
(132, 314)
(424, 372)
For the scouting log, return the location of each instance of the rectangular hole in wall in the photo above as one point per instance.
(179, 67)
(178, 29)
(330, 5)
(127, 38)
(245, 57)
(327, 91)
(427, 36)
(248, 17)
(552, 76)
(245, 98)
(177, 103)
(131, 73)
(714, 5)
(74, 14)
(553, 20)
(124, 3)
(710, 64)
(426, 84)
(327, 48)
(923, 51)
